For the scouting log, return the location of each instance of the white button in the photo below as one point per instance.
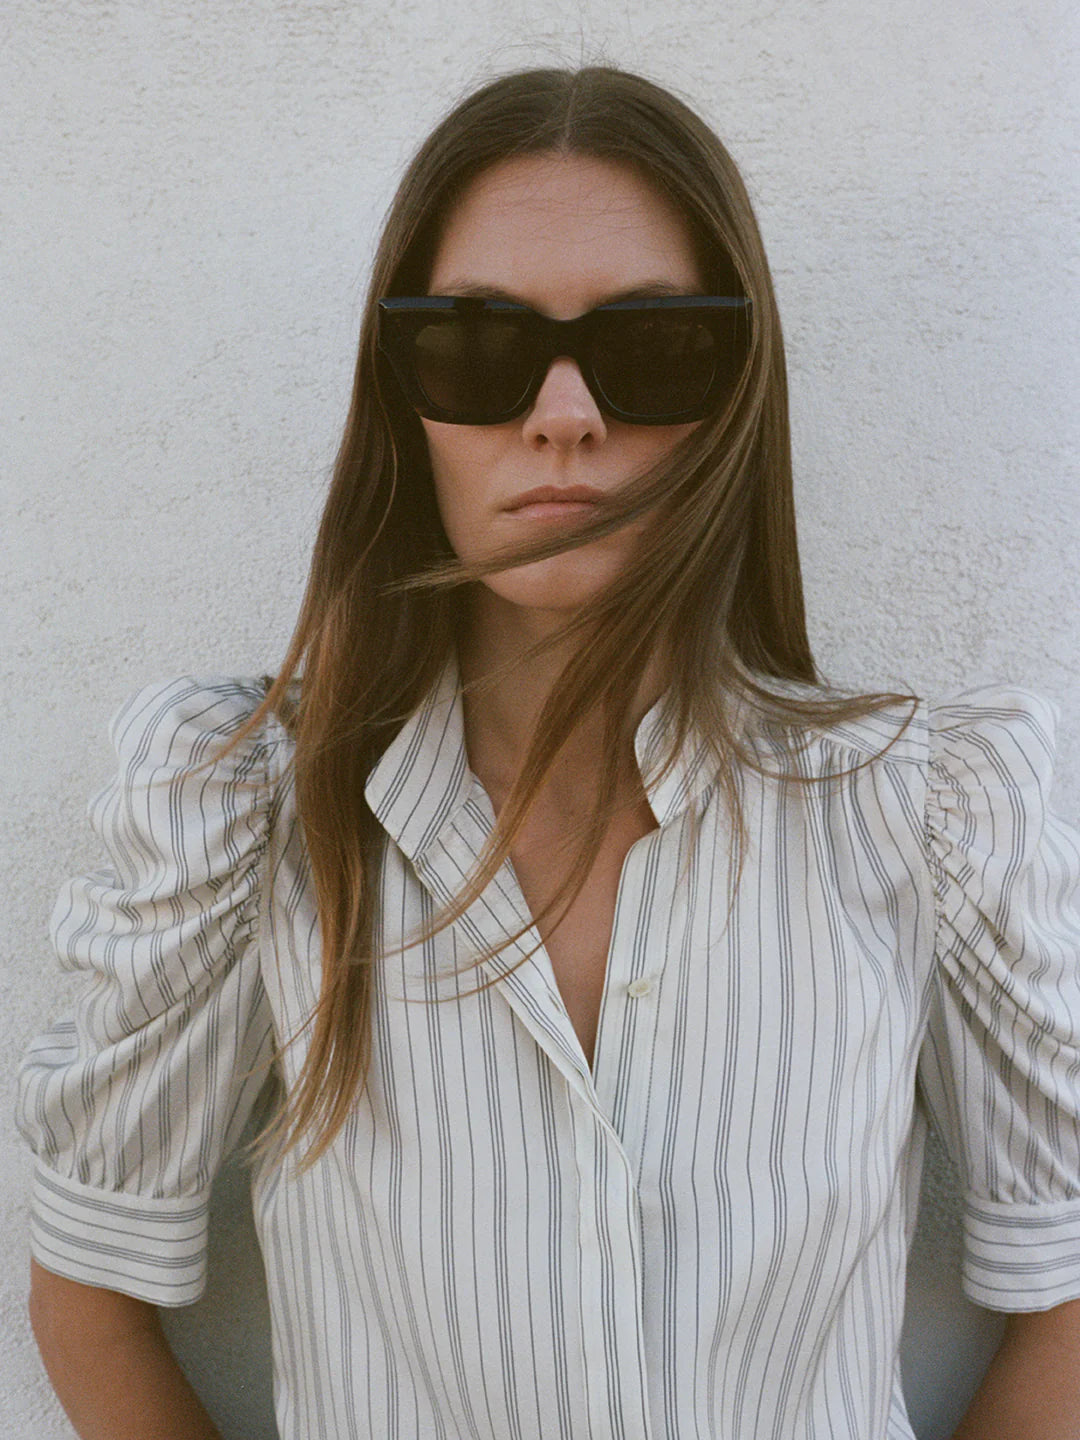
(637, 988)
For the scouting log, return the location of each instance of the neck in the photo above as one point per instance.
(501, 713)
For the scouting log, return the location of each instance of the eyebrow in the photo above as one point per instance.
(650, 290)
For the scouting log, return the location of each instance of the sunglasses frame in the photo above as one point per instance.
(400, 317)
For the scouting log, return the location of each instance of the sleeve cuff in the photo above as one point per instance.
(154, 1250)
(1021, 1257)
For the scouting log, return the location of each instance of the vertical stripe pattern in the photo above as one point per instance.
(702, 1236)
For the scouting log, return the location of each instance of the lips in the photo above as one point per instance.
(555, 499)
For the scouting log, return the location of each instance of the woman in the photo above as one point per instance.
(597, 951)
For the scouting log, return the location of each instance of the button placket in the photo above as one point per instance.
(632, 987)
(610, 1280)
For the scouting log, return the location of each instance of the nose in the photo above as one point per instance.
(564, 414)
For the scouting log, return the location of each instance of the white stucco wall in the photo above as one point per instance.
(190, 195)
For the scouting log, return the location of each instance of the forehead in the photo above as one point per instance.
(564, 229)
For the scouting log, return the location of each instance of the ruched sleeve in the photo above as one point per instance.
(1000, 1069)
(131, 1103)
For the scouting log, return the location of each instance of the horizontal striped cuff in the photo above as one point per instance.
(1021, 1257)
(152, 1249)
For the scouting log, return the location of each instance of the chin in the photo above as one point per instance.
(562, 584)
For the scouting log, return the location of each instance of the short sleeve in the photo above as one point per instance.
(1000, 1069)
(131, 1102)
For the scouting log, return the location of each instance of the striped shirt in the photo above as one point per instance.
(703, 1235)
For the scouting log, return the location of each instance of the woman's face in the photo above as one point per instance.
(561, 234)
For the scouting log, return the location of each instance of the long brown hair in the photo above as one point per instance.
(718, 582)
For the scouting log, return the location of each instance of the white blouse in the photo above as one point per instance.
(701, 1238)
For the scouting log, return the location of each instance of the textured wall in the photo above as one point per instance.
(191, 191)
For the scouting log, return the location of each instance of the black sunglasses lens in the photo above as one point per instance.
(654, 364)
(658, 363)
(472, 365)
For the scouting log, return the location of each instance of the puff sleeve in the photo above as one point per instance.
(131, 1103)
(1000, 1069)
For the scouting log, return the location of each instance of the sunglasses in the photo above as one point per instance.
(473, 361)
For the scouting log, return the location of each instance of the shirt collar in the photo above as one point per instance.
(423, 778)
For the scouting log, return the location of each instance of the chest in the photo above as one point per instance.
(809, 960)
(577, 941)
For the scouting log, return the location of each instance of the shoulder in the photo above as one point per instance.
(970, 774)
(990, 776)
(198, 773)
(975, 771)
(960, 789)
(996, 729)
(189, 722)
(822, 731)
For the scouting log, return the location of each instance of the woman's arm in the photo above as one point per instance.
(1032, 1389)
(110, 1364)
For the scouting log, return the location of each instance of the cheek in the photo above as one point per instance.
(458, 470)
(661, 440)
(640, 447)
(445, 464)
